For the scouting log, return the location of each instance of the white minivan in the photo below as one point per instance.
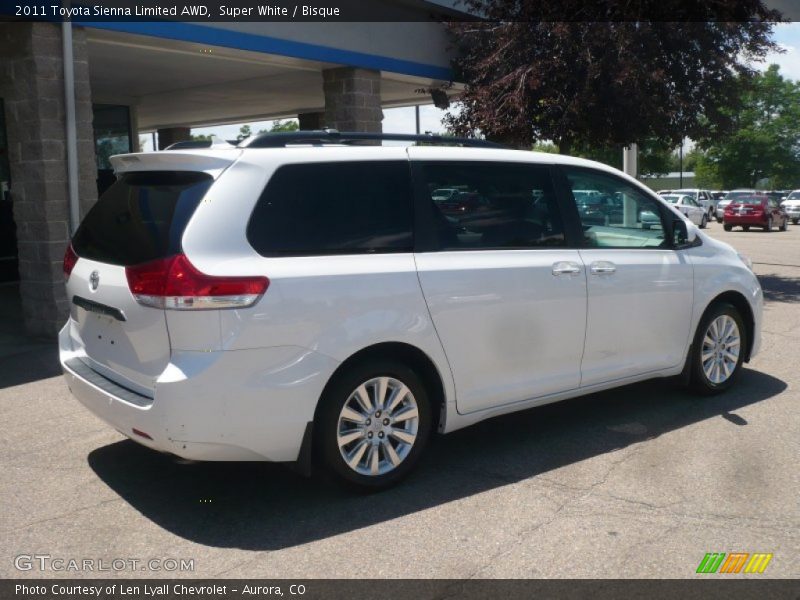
(304, 298)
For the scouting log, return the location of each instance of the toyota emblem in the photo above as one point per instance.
(94, 280)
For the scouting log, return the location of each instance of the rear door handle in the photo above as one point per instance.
(602, 267)
(565, 267)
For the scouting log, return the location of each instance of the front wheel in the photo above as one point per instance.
(718, 350)
(374, 424)
(703, 222)
(727, 227)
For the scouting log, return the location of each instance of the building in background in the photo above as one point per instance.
(127, 79)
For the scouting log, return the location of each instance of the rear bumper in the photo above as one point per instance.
(219, 406)
(759, 221)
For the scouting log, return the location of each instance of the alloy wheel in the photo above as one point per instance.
(721, 347)
(377, 426)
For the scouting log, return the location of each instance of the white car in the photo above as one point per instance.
(792, 206)
(689, 207)
(292, 298)
(703, 198)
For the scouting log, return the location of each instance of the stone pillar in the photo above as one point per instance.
(170, 135)
(32, 84)
(311, 120)
(353, 99)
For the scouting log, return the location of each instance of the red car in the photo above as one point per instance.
(758, 210)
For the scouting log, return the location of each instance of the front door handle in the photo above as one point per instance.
(565, 267)
(602, 267)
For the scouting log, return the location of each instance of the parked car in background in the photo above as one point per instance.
(756, 210)
(702, 197)
(728, 198)
(662, 192)
(792, 206)
(718, 195)
(690, 207)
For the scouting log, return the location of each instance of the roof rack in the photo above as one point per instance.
(332, 136)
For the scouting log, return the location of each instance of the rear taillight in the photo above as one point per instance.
(175, 283)
(70, 258)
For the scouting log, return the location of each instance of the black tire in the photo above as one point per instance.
(338, 392)
(784, 226)
(795, 221)
(768, 226)
(727, 227)
(719, 220)
(703, 222)
(699, 382)
(745, 227)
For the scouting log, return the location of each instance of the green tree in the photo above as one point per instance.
(765, 141)
(201, 137)
(609, 78)
(655, 158)
(287, 125)
(244, 132)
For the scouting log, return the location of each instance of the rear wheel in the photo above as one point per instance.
(374, 424)
(718, 350)
(727, 227)
(784, 226)
(704, 222)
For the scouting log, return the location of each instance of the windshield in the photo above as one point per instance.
(793, 196)
(738, 195)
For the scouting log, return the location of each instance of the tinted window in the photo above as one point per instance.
(628, 218)
(334, 208)
(495, 206)
(141, 217)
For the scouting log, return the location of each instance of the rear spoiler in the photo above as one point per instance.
(213, 162)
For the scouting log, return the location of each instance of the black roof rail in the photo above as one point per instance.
(332, 136)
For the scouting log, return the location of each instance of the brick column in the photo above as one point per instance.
(170, 135)
(353, 99)
(311, 120)
(32, 83)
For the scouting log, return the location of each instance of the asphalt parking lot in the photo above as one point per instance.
(635, 482)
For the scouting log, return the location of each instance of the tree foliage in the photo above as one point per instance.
(765, 141)
(531, 76)
(287, 125)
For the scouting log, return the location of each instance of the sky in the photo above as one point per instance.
(401, 120)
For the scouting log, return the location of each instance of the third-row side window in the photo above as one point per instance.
(334, 208)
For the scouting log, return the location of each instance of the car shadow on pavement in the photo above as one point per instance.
(260, 506)
(780, 289)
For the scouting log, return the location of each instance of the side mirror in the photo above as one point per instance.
(683, 234)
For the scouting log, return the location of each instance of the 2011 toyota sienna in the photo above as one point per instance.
(300, 298)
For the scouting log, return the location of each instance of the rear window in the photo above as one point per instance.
(334, 208)
(141, 217)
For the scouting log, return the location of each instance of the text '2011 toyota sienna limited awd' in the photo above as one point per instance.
(281, 301)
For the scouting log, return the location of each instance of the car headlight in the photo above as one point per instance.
(746, 260)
